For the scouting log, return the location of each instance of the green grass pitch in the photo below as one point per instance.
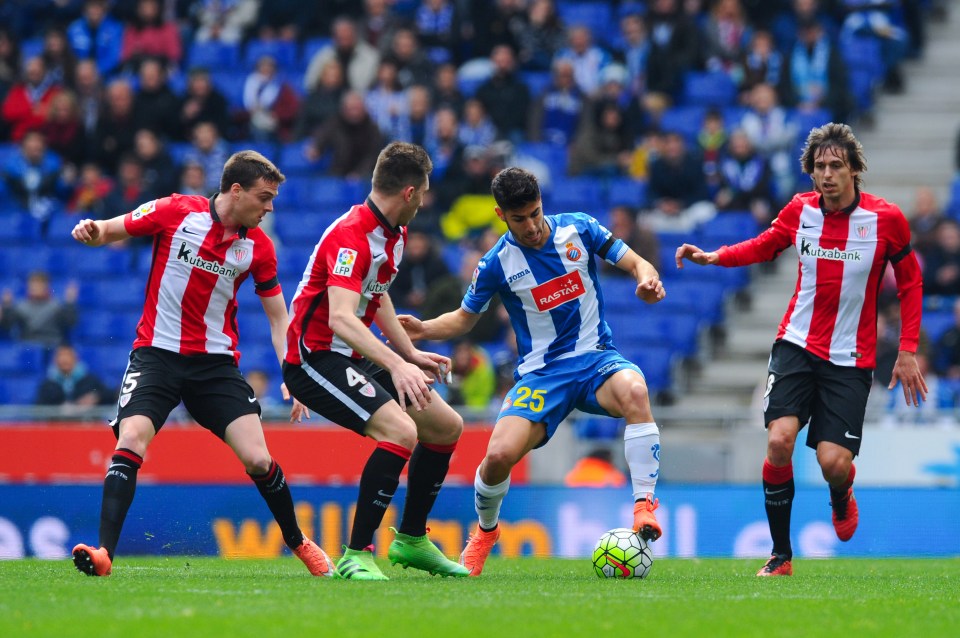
(179, 597)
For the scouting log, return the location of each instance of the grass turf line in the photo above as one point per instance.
(190, 596)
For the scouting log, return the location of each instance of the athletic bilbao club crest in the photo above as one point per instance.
(124, 399)
(863, 231)
(573, 253)
(240, 254)
(368, 390)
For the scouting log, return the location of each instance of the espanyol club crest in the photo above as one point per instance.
(573, 253)
(124, 399)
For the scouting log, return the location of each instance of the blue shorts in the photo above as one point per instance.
(550, 394)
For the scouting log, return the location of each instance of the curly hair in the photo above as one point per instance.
(839, 136)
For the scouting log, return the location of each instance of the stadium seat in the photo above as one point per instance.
(18, 227)
(576, 194)
(807, 120)
(953, 199)
(230, 82)
(267, 149)
(311, 47)
(536, 81)
(936, 323)
(626, 191)
(20, 357)
(685, 120)
(214, 55)
(294, 162)
(656, 362)
(555, 157)
(107, 360)
(303, 229)
(596, 16)
(708, 88)
(100, 326)
(19, 389)
(729, 227)
(283, 51)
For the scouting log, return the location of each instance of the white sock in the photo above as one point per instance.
(487, 500)
(641, 445)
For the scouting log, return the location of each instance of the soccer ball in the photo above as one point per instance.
(621, 553)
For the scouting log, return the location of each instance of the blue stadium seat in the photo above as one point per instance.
(85, 262)
(953, 199)
(120, 293)
(18, 227)
(230, 82)
(304, 228)
(100, 326)
(214, 55)
(937, 322)
(284, 52)
(311, 47)
(335, 193)
(685, 120)
(108, 360)
(807, 120)
(583, 194)
(597, 16)
(19, 389)
(293, 162)
(267, 149)
(536, 81)
(729, 227)
(708, 88)
(626, 191)
(863, 85)
(656, 362)
(20, 358)
(863, 52)
(554, 156)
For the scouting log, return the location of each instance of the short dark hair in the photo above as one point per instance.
(245, 168)
(399, 165)
(837, 136)
(513, 188)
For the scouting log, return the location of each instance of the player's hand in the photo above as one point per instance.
(412, 326)
(86, 231)
(298, 411)
(438, 366)
(412, 386)
(907, 372)
(651, 290)
(696, 255)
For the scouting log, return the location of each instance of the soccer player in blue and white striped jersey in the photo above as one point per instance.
(544, 270)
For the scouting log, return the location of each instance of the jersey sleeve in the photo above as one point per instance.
(909, 278)
(601, 241)
(152, 217)
(346, 259)
(486, 280)
(768, 244)
(264, 267)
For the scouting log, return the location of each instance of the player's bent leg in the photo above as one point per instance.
(92, 562)
(836, 463)
(478, 549)
(777, 565)
(245, 437)
(420, 553)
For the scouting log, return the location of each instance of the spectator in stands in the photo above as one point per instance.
(413, 66)
(129, 191)
(924, 218)
(116, 126)
(90, 192)
(149, 35)
(202, 102)
(9, 69)
(626, 225)
(224, 20)
(25, 107)
(156, 106)
(727, 35)
(379, 22)
(193, 180)
(260, 384)
(446, 91)
(387, 102)
(711, 140)
(209, 151)
(873, 19)
(555, 115)
(465, 196)
(505, 96)
(587, 58)
(71, 385)
(674, 47)
(160, 175)
(492, 26)
(63, 130)
(445, 149)
(271, 104)
(282, 19)
(596, 469)
(322, 102)
(540, 36)
(941, 273)
(815, 74)
(421, 268)
(351, 137)
(40, 318)
(437, 23)
(677, 189)
(88, 89)
(762, 63)
(476, 129)
(359, 58)
(786, 26)
(34, 178)
(418, 124)
(59, 58)
(634, 49)
(474, 378)
(97, 36)
(773, 134)
(744, 180)
(946, 360)
(605, 136)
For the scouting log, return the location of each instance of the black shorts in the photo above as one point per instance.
(211, 387)
(832, 398)
(342, 390)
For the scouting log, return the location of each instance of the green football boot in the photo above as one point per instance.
(420, 553)
(358, 564)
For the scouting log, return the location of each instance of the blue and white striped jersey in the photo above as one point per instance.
(552, 293)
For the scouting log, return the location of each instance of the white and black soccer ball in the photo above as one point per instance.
(621, 553)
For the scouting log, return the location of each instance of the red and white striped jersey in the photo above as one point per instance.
(843, 255)
(191, 294)
(360, 252)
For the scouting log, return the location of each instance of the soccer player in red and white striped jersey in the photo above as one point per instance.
(821, 364)
(186, 343)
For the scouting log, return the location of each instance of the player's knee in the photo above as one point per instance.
(402, 433)
(835, 467)
(257, 462)
(500, 459)
(451, 430)
(135, 435)
(780, 448)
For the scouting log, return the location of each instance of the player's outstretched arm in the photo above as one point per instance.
(93, 232)
(696, 255)
(447, 326)
(649, 287)
(433, 364)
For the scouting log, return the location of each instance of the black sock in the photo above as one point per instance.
(378, 484)
(778, 491)
(428, 468)
(274, 489)
(119, 486)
